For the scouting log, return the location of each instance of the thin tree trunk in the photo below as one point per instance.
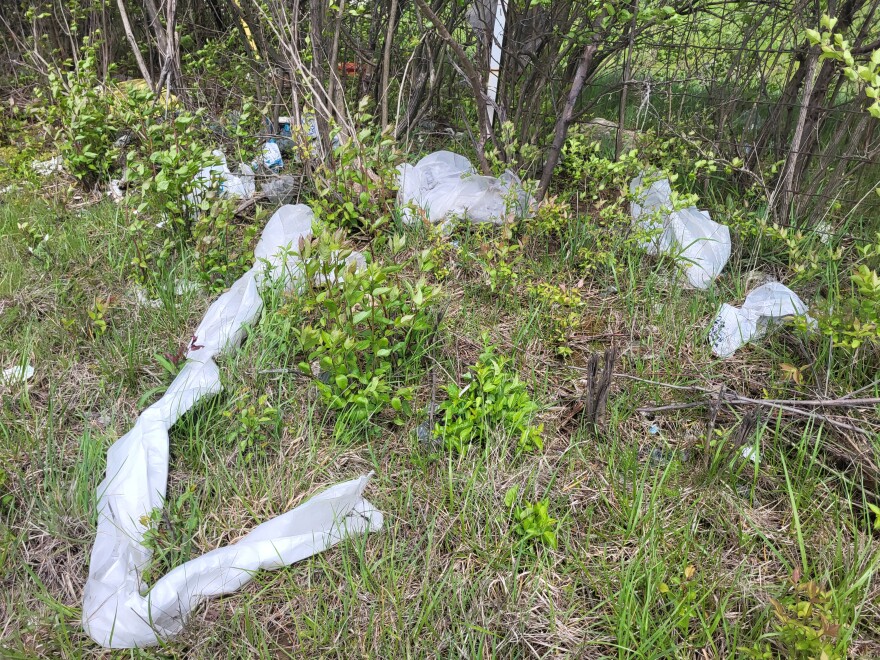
(561, 130)
(386, 61)
(473, 78)
(621, 115)
(787, 179)
(126, 26)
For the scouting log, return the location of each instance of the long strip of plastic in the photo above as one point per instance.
(119, 611)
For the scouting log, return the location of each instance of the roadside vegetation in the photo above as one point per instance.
(564, 467)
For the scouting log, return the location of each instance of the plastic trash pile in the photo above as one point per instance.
(119, 610)
(733, 327)
(701, 245)
(444, 184)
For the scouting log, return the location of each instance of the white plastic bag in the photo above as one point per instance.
(240, 185)
(701, 245)
(734, 327)
(270, 156)
(119, 610)
(444, 184)
(16, 375)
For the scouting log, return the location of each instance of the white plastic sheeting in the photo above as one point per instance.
(734, 326)
(701, 245)
(444, 184)
(119, 610)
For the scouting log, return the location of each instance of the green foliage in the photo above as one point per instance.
(512, 155)
(808, 253)
(81, 118)
(439, 255)
(361, 326)
(36, 239)
(253, 426)
(835, 47)
(561, 312)
(806, 623)
(501, 258)
(533, 524)
(855, 320)
(681, 593)
(170, 533)
(356, 190)
(223, 250)
(552, 217)
(494, 400)
(165, 156)
(97, 316)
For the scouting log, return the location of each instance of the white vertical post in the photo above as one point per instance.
(495, 57)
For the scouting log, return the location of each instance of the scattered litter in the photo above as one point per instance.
(123, 140)
(48, 167)
(824, 231)
(281, 189)
(118, 610)
(114, 190)
(143, 300)
(444, 184)
(755, 278)
(425, 432)
(654, 429)
(751, 453)
(270, 157)
(230, 185)
(17, 375)
(661, 457)
(734, 327)
(703, 246)
(183, 287)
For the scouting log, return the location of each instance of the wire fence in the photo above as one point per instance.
(742, 92)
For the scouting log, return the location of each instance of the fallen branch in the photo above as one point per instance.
(804, 407)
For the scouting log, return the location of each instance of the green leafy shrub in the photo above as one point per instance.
(253, 426)
(513, 155)
(357, 189)
(806, 623)
(80, 114)
(854, 321)
(165, 155)
(361, 326)
(170, 534)
(680, 593)
(533, 523)
(562, 312)
(493, 400)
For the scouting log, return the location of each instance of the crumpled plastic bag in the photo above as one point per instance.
(701, 245)
(240, 185)
(49, 167)
(444, 184)
(16, 375)
(734, 327)
(119, 610)
(270, 157)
